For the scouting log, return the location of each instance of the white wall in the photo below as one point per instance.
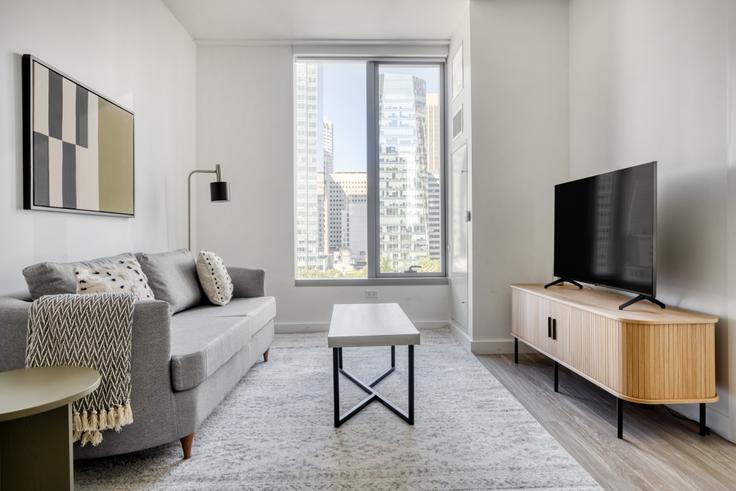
(459, 191)
(134, 52)
(244, 123)
(649, 81)
(520, 113)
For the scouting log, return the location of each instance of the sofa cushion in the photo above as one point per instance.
(49, 278)
(173, 278)
(124, 276)
(200, 345)
(214, 278)
(260, 309)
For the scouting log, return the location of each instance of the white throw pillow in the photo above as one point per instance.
(214, 278)
(120, 276)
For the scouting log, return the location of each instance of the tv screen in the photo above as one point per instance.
(605, 229)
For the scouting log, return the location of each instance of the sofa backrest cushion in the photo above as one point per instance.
(125, 276)
(49, 278)
(173, 278)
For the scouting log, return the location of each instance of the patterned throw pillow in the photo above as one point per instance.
(121, 276)
(214, 278)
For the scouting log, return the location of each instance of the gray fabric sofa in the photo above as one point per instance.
(186, 353)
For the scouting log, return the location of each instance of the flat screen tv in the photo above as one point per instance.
(606, 228)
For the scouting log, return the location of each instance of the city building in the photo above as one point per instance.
(434, 216)
(308, 159)
(328, 156)
(349, 212)
(403, 235)
(433, 134)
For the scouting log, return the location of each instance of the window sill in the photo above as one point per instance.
(430, 280)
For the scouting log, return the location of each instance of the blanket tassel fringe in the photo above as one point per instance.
(87, 426)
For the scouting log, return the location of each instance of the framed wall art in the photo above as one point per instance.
(78, 146)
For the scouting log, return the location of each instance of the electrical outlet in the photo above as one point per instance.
(371, 294)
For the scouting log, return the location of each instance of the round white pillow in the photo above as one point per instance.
(214, 278)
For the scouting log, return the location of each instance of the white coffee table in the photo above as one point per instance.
(363, 325)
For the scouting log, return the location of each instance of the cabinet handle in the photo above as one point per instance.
(549, 327)
(554, 329)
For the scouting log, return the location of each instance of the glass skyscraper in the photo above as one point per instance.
(402, 173)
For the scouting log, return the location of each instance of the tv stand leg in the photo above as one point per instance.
(703, 427)
(640, 298)
(620, 417)
(516, 350)
(560, 281)
(557, 376)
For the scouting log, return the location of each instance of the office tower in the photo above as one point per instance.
(402, 176)
(434, 135)
(308, 148)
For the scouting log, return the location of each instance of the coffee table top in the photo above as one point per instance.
(370, 324)
(30, 391)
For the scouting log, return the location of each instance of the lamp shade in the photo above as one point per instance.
(219, 191)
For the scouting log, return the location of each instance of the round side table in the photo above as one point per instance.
(36, 425)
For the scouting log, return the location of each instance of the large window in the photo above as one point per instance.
(368, 169)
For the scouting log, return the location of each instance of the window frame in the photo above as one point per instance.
(375, 276)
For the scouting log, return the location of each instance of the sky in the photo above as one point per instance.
(343, 102)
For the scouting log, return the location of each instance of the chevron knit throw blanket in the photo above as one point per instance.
(94, 331)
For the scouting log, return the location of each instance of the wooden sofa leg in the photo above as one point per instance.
(265, 354)
(186, 445)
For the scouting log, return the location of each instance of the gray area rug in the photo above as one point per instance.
(275, 430)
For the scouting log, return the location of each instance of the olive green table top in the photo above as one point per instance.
(30, 391)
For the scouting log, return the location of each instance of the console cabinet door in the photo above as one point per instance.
(544, 323)
(572, 340)
(529, 319)
(590, 343)
(525, 315)
(559, 346)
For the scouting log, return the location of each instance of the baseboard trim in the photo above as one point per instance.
(323, 326)
(300, 327)
(461, 336)
(716, 421)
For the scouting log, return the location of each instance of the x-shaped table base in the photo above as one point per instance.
(373, 395)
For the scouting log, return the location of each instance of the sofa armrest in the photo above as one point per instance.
(13, 332)
(247, 282)
(150, 368)
(151, 336)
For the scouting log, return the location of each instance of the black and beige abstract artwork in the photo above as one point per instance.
(78, 146)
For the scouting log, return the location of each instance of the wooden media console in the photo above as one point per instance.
(645, 354)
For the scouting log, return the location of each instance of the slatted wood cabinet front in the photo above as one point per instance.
(642, 354)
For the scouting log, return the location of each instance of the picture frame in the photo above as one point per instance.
(78, 146)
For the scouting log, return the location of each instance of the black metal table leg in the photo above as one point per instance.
(411, 385)
(620, 417)
(557, 376)
(516, 350)
(372, 394)
(336, 384)
(703, 426)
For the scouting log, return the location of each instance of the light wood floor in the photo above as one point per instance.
(660, 451)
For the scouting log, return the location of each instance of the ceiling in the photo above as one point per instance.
(282, 20)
